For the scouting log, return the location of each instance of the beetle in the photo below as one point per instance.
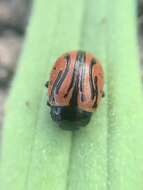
(75, 87)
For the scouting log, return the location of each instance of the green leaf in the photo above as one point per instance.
(107, 154)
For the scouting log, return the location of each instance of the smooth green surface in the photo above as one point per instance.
(108, 153)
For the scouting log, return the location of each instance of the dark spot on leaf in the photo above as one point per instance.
(27, 103)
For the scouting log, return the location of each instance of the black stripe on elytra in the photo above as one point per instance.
(78, 62)
(96, 92)
(71, 84)
(68, 61)
(54, 87)
(80, 57)
(81, 80)
(93, 62)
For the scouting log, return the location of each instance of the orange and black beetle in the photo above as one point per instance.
(75, 86)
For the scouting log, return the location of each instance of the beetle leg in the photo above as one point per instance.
(47, 84)
(103, 94)
(48, 104)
